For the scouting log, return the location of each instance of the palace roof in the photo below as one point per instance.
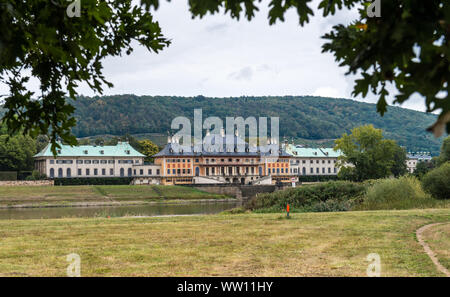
(122, 149)
(298, 151)
(216, 145)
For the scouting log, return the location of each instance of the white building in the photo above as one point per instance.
(312, 161)
(412, 159)
(94, 161)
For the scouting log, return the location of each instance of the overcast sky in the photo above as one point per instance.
(219, 56)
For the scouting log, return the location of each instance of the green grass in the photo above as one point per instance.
(52, 195)
(309, 244)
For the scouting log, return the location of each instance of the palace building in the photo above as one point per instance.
(89, 161)
(223, 159)
(312, 161)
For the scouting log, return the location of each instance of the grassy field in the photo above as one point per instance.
(308, 244)
(53, 195)
(438, 238)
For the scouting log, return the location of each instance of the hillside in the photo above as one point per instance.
(307, 118)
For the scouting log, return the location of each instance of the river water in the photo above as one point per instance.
(118, 211)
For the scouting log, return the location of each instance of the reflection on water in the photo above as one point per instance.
(118, 211)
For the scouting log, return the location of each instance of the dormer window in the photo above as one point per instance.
(102, 152)
(58, 151)
(127, 152)
(85, 152)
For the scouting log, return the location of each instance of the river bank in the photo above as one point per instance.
(90, 196)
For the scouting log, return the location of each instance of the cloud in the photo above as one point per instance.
(245, 73)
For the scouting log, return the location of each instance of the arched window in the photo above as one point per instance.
(68, 173)
(52, 173)
(122, 172)
(260, 171)
(60, 172)
(129, 171)
(197, 171)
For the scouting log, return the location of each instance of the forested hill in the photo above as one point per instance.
(300, 117)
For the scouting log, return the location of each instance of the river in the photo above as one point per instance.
(118, 211)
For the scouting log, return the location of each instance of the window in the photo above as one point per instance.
(87, 171)
(95, 161)
(149, 172)
(95, 171)
(329, 170)
(184, 171)
(335, 170)
(189, 171)
(173, 171)
(87, 161)
(196, 160)
(52, 173)
(317, 170)
(111, 171)
(312, 170)
(157, 171)
(178, 171)
(317, 161)
(323, 170)
(110, 161)
(79, 171)
(103, 161)
(52, 161)
(141, 171)
(79, 161)
(103, 171)
(168, 171)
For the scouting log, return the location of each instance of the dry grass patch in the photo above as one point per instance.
(309, 244)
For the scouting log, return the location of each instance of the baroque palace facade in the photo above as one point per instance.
(215, 162)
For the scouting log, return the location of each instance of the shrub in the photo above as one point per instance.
(76, 181)
(310, 197)
(396, 193)
(437, 182)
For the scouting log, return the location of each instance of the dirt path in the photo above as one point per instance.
(427, 249)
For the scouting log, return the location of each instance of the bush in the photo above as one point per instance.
(8, 175)
(77, 181)
(330, 196)
(437, 182)
(35, 175)
(396, 193)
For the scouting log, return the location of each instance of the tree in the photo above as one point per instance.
(407, 47)
(399, 166)
(148, 148)
(16, 152)
(437, 182)
(445, 152)
(366, 155)
(422, 168)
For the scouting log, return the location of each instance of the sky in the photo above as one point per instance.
(221, 57)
